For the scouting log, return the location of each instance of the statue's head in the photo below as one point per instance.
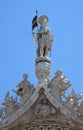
(43, 20)
(25, 76)
(58, 73)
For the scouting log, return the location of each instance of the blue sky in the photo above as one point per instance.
(17, 50)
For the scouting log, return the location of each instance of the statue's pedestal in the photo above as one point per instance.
(42, 68)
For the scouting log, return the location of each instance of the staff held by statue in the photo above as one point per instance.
(34, 24)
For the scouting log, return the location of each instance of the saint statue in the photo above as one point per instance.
(43, 38)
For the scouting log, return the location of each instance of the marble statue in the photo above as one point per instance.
(22, 85)
(43, 38)
(25, 89)
(59, 84)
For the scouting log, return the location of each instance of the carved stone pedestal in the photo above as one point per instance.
(42, 68)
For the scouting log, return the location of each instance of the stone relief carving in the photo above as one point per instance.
(72, 100)
(43, 108)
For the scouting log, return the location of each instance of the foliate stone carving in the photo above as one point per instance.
(72, 100)
(11, 104)
(80, 108)
(58, 85)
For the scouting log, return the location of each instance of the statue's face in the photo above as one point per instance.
(44, 21)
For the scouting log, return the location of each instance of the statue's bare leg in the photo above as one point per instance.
(42, 51)
(46, 51)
